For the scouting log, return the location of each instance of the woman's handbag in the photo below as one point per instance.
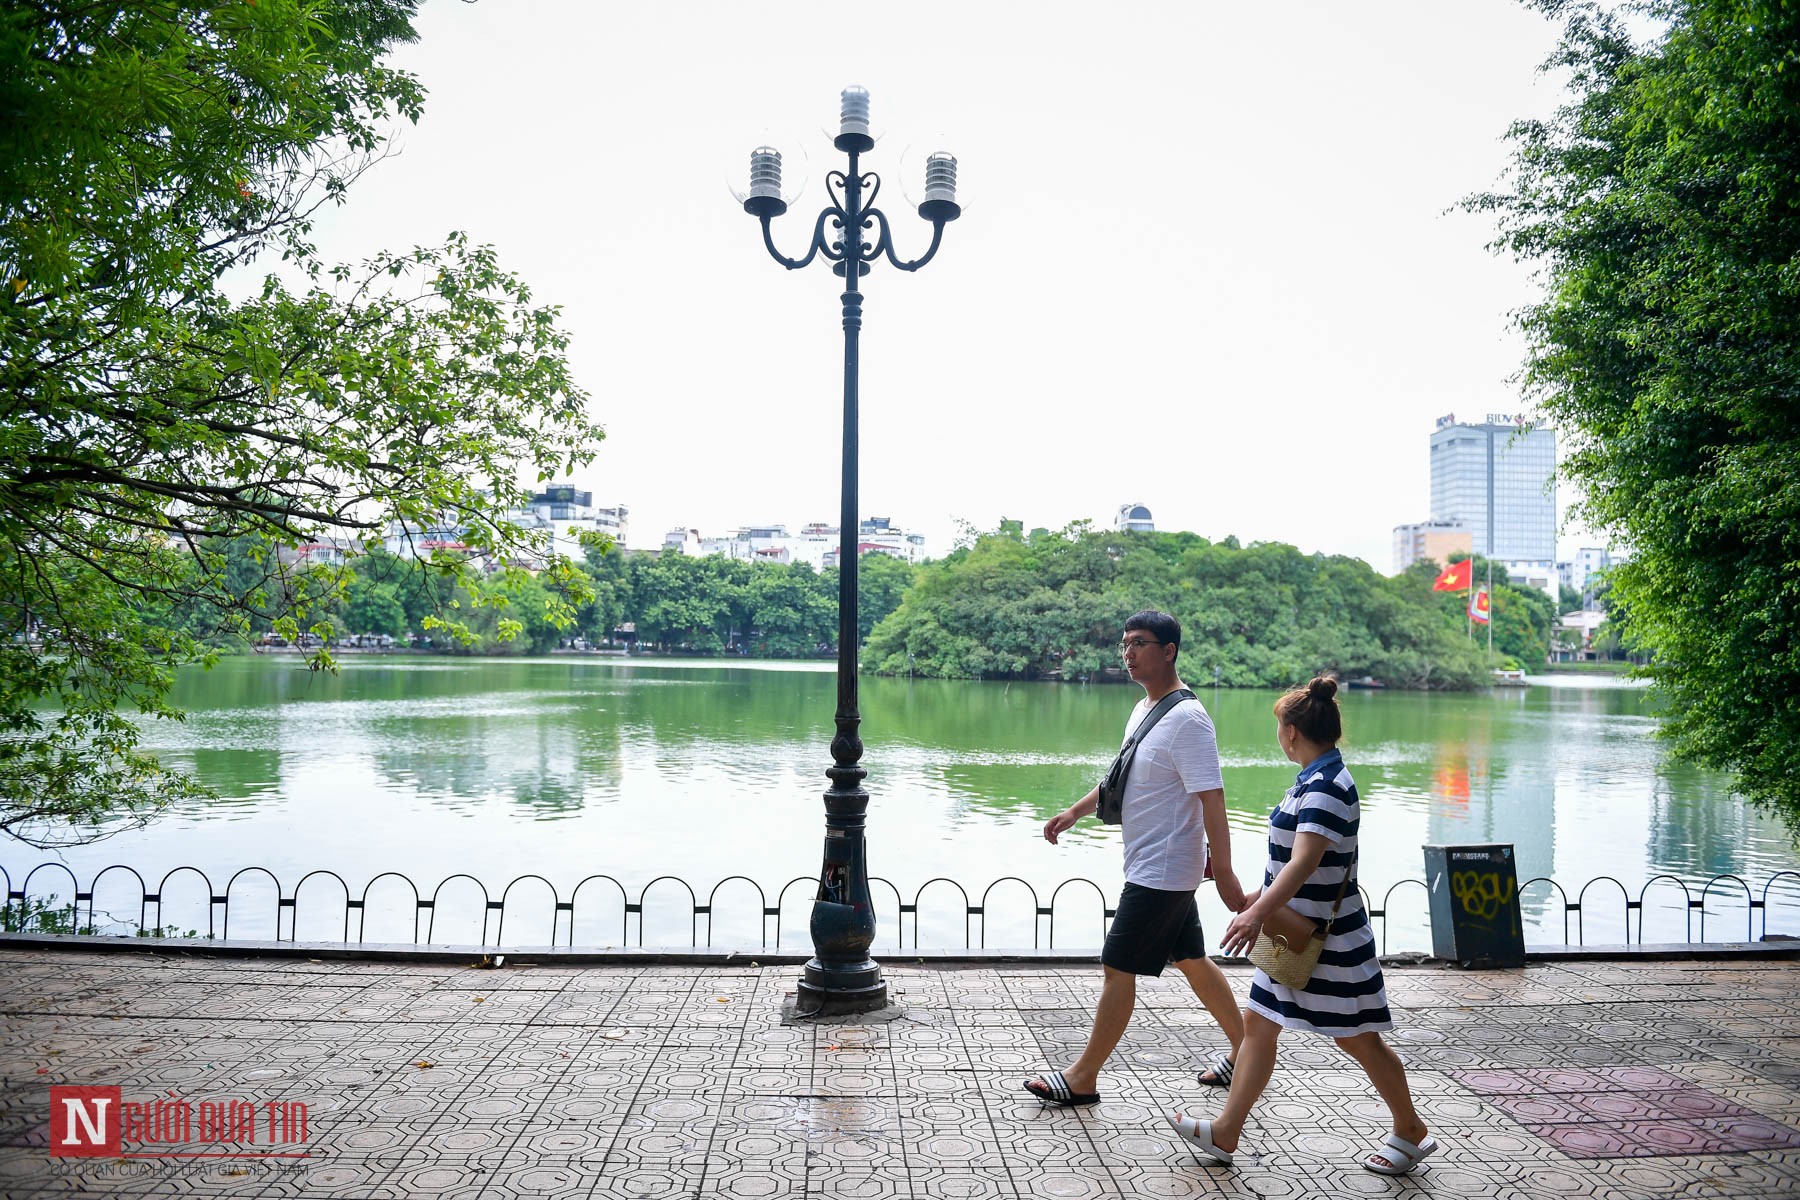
(1288, 946)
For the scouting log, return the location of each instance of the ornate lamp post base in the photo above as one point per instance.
(829, 991)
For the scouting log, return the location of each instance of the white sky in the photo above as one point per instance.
(1209, 260)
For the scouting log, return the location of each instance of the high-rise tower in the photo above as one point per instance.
(1496, 479)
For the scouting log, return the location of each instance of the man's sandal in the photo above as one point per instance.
(1052, 1088)
(1399, 1156)
(1220, 1074)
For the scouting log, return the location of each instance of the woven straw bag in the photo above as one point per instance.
(1288, 946)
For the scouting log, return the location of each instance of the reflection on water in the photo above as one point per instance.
(568, 767)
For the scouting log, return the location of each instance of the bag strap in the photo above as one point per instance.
(1121, 763)
(1152, 717)
(1342, 888)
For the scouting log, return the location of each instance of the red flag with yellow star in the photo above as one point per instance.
(1478, 607)
(1455, 578)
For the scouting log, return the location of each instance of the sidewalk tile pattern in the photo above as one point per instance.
(1597, 1081)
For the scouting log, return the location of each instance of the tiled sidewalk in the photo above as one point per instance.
(1639, 1079)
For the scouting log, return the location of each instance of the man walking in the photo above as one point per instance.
(1173, 809)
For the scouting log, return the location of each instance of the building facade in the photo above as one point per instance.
(1496, 479)
(816, 543)
(1134, 518)
(1434, 540)
(1578, 574)
(563, 513)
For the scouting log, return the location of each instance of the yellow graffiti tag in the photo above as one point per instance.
(1480, 893)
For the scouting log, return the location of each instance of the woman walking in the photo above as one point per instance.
(1312, 856)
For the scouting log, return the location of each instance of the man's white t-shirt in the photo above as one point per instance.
(1165, 840)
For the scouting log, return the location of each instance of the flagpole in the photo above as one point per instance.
(1490, 598)
(1469, 600)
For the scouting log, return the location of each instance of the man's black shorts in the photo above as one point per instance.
(1152, 929)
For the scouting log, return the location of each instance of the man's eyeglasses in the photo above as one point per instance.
(1138, 644)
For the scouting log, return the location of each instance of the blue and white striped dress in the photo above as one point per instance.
(1346, 995)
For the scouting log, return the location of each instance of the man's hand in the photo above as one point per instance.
(1231, 892)
(1058, 824)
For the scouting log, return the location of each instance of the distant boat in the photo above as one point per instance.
(1510, 679)
(1367, 683)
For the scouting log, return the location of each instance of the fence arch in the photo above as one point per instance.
(781, 902)
(575, 896)
(213, 900)
(762, 905)
(1036, 904)
(1687, 905)
(500, 925)
(1107, 912)
(1564, 896)
(919, 896)
(225, 917)
(486, 904)
(1749, 906)
(1581, 907)
(1387, 903)
(1763, 903)
(293, 902)
(693, 907)
(96, 890)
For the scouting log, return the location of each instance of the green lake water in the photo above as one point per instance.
(574, 766)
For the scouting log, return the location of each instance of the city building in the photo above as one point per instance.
(1437, 541)
(560, 514)
(1134, 518)
(1581, 624)
(1541, 576)
(563, 513)
(1578, 573)
(1495, 478)
(816, 543)
(682, 541)
(407, 539)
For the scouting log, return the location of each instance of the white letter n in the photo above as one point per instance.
(94, 1123)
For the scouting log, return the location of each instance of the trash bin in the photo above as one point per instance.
(1475, 919)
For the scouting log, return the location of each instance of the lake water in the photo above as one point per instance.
(573, 766)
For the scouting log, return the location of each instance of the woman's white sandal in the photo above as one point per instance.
(1199, 1133)
(1401, 1155)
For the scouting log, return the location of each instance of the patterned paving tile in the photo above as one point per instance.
(1592, 1080)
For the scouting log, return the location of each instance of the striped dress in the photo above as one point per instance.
(1346, 995)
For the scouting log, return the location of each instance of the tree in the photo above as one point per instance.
(371, 607)
(1661, 206)
(881, 581)
(155, 420)
(1261, 616)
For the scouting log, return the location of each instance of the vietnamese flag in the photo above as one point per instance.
(1478, 607)
(1455, 578)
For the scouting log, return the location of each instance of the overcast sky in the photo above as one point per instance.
(1210, 259)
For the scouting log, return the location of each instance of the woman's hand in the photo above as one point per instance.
(1240, 935)
(1059, 824)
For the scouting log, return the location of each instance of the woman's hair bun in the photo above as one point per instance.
(1323, 687)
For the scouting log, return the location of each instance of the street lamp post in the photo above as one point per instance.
(850, 234)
